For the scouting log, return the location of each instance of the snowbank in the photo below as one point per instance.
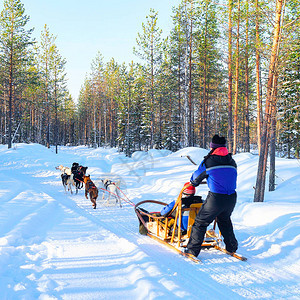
(55, 246)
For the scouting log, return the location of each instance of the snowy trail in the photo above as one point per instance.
(142, 272)
(159, 260)
(55, 246)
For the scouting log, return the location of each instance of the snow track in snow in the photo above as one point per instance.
(53, 245)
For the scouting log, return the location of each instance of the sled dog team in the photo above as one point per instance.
(76, 177)
(219, 170)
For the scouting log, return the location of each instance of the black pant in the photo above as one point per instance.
(218, 206)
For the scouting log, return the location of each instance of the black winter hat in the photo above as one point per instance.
(217, 141)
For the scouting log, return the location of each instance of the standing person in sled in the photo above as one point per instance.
(188, 198)
(220, 171)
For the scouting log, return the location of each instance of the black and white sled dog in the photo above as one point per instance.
(113, 188)
(67, 178)
(78, 172)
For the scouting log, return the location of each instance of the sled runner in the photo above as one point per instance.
(168, 231)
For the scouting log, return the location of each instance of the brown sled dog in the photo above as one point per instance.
(91, 189)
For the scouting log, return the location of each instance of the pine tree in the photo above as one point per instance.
(112, 78)
(182, 49)
(58, 85)
(236, 92)
(208, 71)
(128, 100)
(258, 77)
(29, 104)
(15, 40)
(247, 84)
(176, 49)
(45, 50)
(85, 113)
(289, 101)
(150, 45)
(97, 75)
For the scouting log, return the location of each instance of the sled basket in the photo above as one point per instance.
(165, 229)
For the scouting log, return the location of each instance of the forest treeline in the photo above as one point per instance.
(227, 67)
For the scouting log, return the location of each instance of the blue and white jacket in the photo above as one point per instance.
(186, 202)
(220, 171)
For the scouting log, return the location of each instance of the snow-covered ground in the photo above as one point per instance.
(53, 245)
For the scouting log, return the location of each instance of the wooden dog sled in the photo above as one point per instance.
(167, 231)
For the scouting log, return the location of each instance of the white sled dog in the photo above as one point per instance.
(113, 190)
(66, 178)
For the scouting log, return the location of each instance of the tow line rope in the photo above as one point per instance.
(75, 179)
(128, 201)
(116, 195)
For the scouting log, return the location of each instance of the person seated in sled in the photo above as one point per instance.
(188, 198)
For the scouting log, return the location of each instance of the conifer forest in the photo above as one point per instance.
(226, 67)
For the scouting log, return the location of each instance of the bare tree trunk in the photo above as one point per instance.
(56, 119)
(272, 148)
(186, 106)
(205, 100)
(235, 127)
(258, 98)
(273, 116)
(152, 93)
(160, 123)
(5, 116)
(94, 122)
(111, 121)
(179, 91)
(105, 128)
(247, 134)
(48, 110)
(262, 163)
(190, 82)
(3, 120)
(85, 134)
(10, 96)
(127, 129)
(229, 135)
(100, 129)
(100, 118)
(40, 125)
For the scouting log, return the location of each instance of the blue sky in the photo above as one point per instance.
(85, 27)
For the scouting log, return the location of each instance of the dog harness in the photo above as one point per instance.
(108, 182)
(91, 185)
